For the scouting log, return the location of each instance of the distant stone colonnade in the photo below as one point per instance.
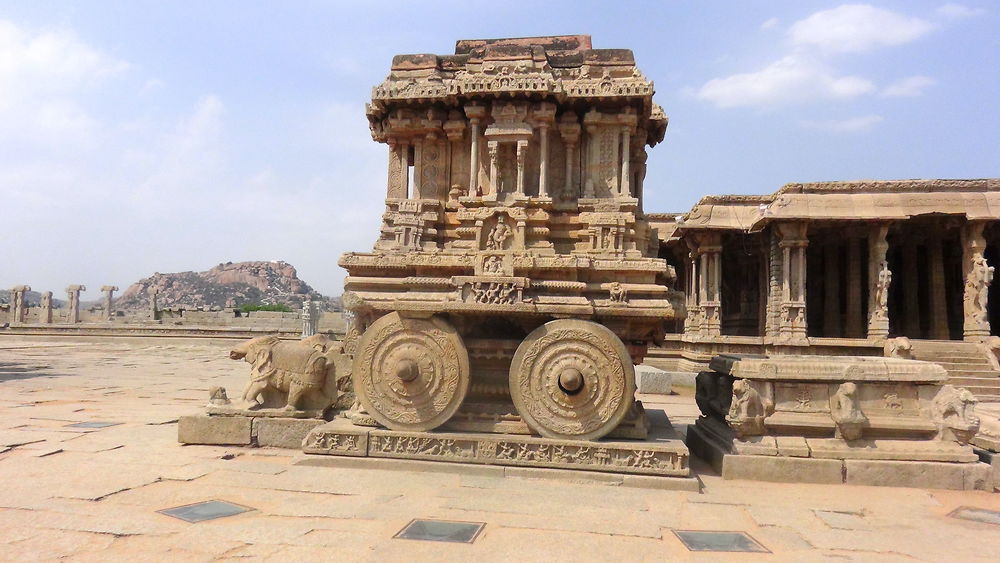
(18, 309)
(17, 313)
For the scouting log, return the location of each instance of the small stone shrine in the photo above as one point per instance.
(832, 419)
(514, 283)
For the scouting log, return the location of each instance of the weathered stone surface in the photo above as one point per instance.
(924, 474)
(652, 380)
(282, 432)
(221, 430)
(782, 469)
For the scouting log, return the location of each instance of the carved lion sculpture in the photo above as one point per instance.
(746, 413)
(312, 374)
(954, 411)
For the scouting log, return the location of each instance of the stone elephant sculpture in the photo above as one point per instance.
(312, 374)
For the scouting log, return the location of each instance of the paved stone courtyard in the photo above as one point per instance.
(94, 493)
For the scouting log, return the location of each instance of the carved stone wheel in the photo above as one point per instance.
(572, 379)
(411, 374)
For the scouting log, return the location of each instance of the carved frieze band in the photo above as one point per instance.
(617, 457)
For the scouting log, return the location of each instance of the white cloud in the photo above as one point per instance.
(852, 28)
(791, 79)
(850, 125)
(770, 23)
(908, 87)
(958, 11)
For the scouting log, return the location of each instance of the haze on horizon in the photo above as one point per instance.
(142, 137)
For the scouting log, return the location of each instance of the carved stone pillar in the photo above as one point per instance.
(831, 290)
(73, 293)
(153, 306)
(397, 171)
(475, 113)
(911, 297)
(109, 291)
(879, 280)
(692, 322)
(418, 168)
(522, 150)
(493, 147)
(569, 128)
(404, 167)
(593, 149)
(978, 277)
(543, 160)
(46, 312)
(855, 324)
(938, 309)
(626, 155)
(792, 322)
(18, 306)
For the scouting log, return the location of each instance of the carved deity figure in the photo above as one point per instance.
(618, 293)
(498, 236)
(954, 411)
(845, 408)
(979, 281)
(882, 288)
(746, 413)
(493, 265)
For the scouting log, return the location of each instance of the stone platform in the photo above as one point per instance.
(662, 453)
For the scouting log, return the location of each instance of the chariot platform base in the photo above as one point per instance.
(662, 453)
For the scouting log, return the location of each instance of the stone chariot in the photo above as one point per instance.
(515, 281)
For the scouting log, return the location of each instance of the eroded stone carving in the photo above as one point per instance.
(303, 377)
(845, 409)
(899, 347)
(746, 413)
(954, 411)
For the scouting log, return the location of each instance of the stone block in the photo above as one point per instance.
(215, 430)
(792, 446)
(921, 474)
(283, 432)
(782, 469)
(652, 380)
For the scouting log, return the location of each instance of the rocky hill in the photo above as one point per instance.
(229, 284)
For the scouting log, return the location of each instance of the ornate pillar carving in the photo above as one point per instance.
(879, 280)
(404, 167)
(73, 293)
(831, 290)
(911, 297)
(493, 147)
(938, 309)
(855, 324)
(109, 291)
(978, 277)
(710, 251)
(692, 322)
(792, 321)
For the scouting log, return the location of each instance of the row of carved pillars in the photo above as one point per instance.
(786, 320)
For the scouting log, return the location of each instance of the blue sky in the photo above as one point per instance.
(138, 136)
